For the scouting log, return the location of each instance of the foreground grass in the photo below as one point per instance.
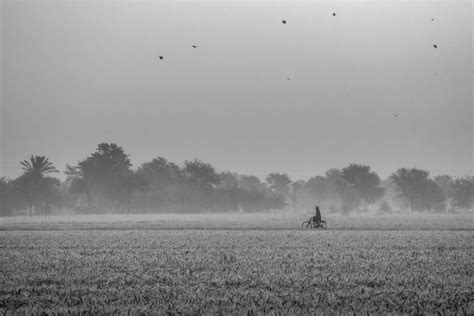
(224, 271)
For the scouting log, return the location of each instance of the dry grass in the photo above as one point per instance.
(145, 266)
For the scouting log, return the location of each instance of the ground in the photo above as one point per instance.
(242, 263)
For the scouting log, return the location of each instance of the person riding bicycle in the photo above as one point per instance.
(317, 218)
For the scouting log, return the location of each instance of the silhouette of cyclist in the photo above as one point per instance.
(317, 217)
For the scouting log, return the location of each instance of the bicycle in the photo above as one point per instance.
(311, 224)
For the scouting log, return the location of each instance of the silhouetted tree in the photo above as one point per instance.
(348, 197)
(228, 180)
(37, 167)
(334, 175)
(462, 193)
(130, 182)
(49, 194)
(279, 183)
(161, 183)
(159, 173)
(432, 197)
(363, 181)
(410, 183)
(444, 182)
(11, 198)
(106, 171)
(415, 186)
(319, 189)
(201, 174)
(6, 205)
(251, 184)
(77, 184)
(33, 184)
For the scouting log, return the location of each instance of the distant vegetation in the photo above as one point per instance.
(105, 182)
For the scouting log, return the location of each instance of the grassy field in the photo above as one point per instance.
(241, 263)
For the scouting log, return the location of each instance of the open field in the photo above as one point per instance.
(222, 263)
(240, 221)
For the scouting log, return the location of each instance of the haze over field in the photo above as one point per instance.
(365, 86)
(236, 157)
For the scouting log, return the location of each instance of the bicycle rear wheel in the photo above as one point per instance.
(324, 225)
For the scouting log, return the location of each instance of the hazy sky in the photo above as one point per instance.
(75, 74)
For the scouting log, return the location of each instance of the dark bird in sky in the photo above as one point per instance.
(161, 57)
(194, 46)
(435, 46)
(432, 19)
(288, 78)
(334, 14)
(396, 115)
(284, 21)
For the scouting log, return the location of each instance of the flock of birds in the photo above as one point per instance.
(284, 22)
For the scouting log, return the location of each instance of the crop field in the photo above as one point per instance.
(237, 263)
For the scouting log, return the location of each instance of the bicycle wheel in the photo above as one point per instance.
(324, 225)
(305, 224)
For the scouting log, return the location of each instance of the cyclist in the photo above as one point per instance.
(317, 218)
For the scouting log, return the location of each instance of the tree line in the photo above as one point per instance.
(105, 182)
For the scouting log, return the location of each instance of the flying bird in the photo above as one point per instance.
(432, 19)
(396, 115)
(194, 46)
(284, 21)
(435, 46)
(334, 14)
(160, 57)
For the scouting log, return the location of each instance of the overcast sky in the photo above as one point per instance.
(75, 74)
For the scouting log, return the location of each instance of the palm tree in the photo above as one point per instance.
(38, 166)
(31, 182)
